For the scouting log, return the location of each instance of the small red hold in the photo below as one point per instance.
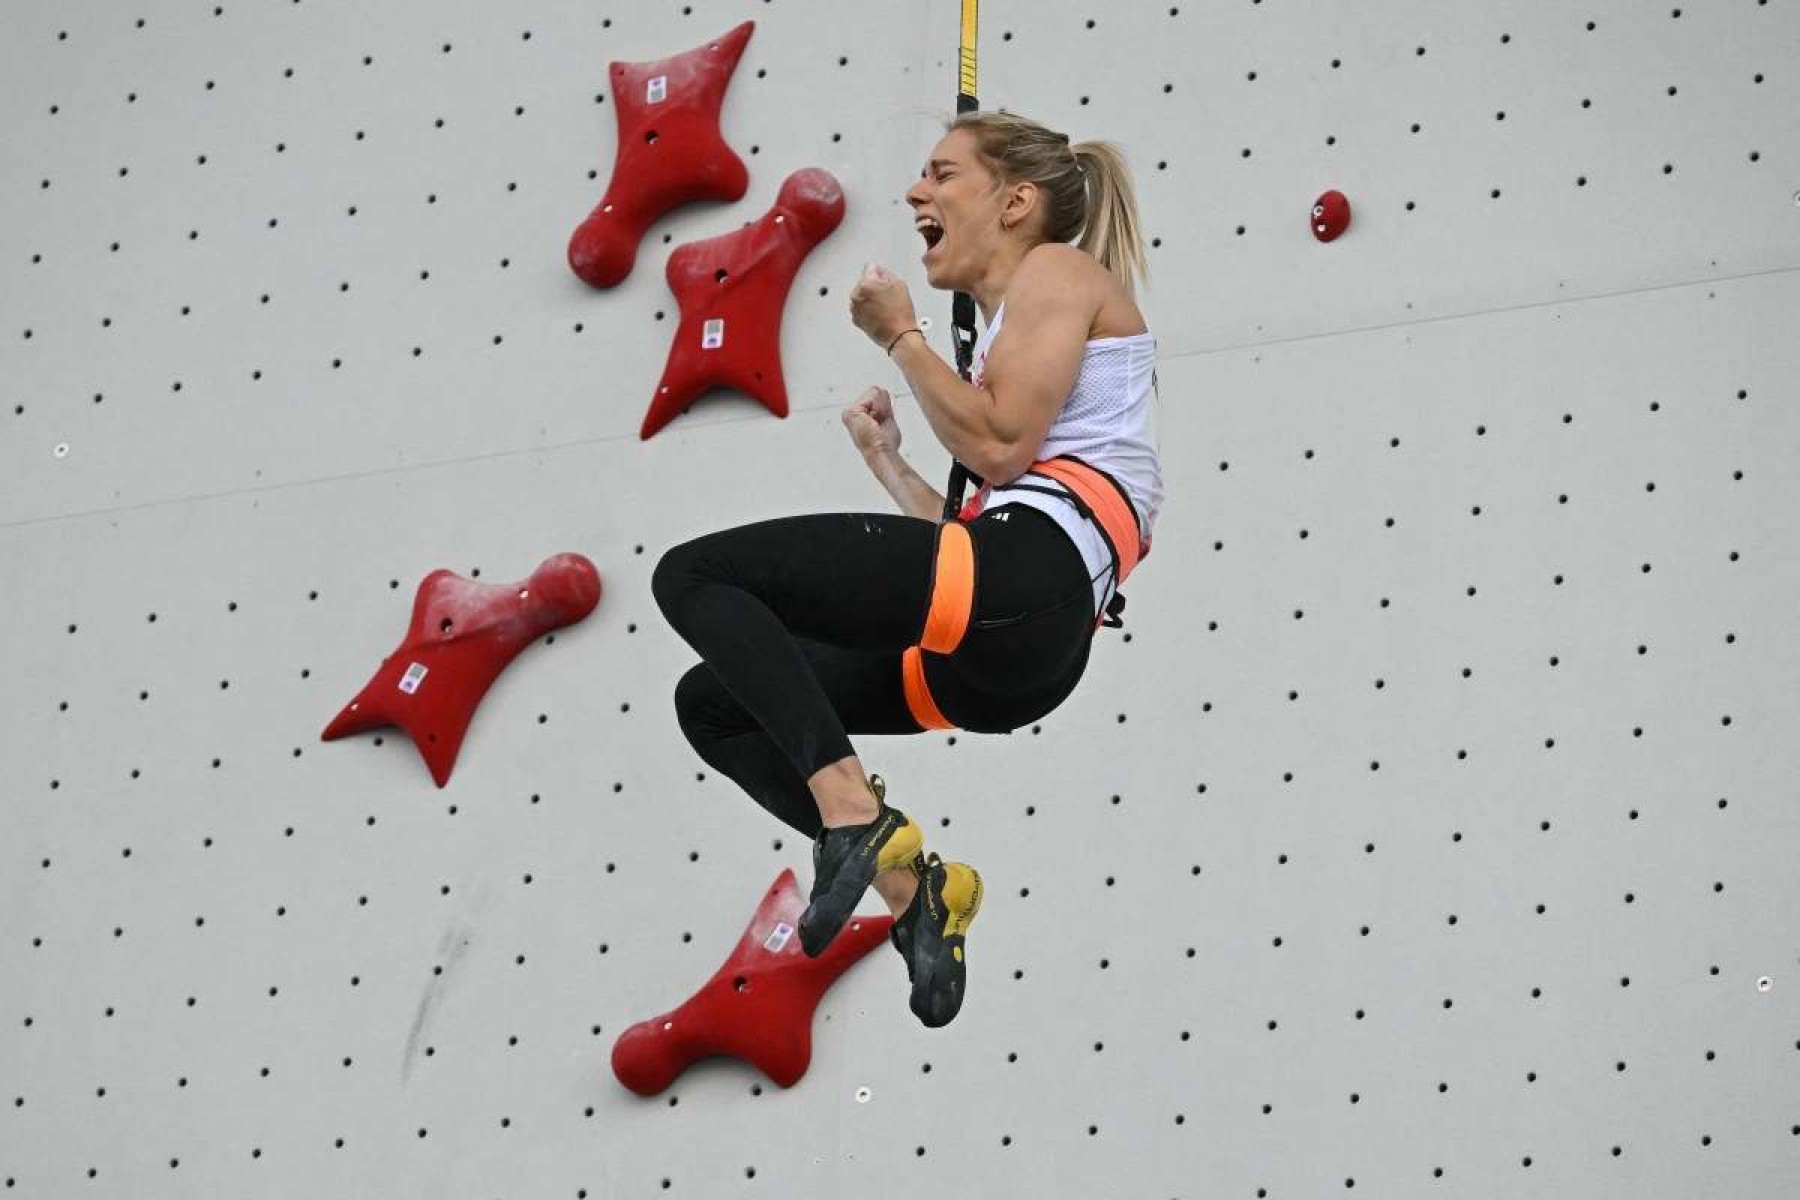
(732, 289)
(670, 152)
(757, 1007)
(463, 634)
(1330, 216)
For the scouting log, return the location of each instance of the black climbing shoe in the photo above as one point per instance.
(845, 862)
(930, 935)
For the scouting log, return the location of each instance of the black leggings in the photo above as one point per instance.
(802, 621)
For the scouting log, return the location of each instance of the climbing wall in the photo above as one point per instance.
(1429, 831)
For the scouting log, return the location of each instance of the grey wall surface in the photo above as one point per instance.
(1429, 831)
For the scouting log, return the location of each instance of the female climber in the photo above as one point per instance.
(813, 627)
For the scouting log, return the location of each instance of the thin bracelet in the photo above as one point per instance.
(903, 333)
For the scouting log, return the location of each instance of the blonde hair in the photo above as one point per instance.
(1086, 186)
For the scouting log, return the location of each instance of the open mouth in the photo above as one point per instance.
(932, 232)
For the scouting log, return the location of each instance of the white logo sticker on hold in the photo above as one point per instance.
(712, 334)
(778, 938)
(415, 675)
(659, 89)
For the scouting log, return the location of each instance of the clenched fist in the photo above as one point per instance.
(871, 422)
(881, 306)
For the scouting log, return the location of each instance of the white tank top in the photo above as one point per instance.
(1108, 421)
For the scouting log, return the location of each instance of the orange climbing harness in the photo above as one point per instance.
(1095, 494)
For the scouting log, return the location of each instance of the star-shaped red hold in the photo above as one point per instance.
(462, 636)
(670, 152)
(757, 1007)
(732, 289)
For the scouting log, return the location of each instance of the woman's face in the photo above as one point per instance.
(956, 208)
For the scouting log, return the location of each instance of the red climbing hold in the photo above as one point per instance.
(1330, 216)
(731, 290)
(670, 152)
(462, 636)
(757, 1007)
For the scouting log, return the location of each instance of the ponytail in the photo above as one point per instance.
(1111, 233)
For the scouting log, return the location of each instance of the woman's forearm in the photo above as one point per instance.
(960, 413)
(915, 497)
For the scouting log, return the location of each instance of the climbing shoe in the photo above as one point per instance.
(900, 933)
(930, 935)
(845, 862)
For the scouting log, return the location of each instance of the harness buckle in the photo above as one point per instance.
(1114, 610)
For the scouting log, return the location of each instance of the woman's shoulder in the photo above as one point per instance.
(1061, 261)
(1066, 272)
(1065, 268)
